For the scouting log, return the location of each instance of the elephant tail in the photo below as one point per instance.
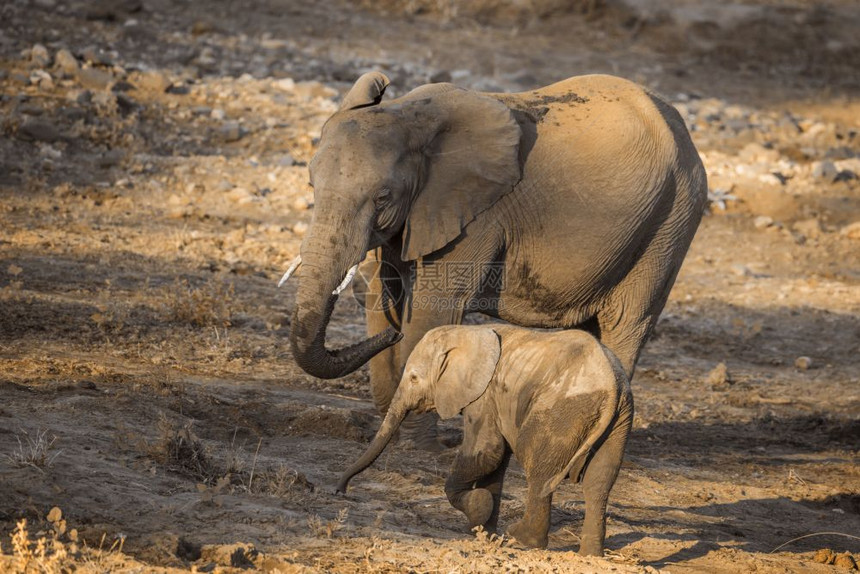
(609, 413)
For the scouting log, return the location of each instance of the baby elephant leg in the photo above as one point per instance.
(533, 529)
(474, 486)
(599, 477)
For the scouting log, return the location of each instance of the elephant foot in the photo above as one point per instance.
(590, 547)
(527, 536)
(477, 505)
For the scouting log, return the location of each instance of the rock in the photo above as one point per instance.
(824, 556)
(35, 130)
(94, 79)
(39, 56)
(42, 79)
(824, 170)
(803, 363)
(845, 175)
(218, 114)
(152, 80)
(845, 560)
(111, 158)
(300, 228)
(851, 231)
(300, 204)
(178, 89)
(97, 56)
(809, 228)
(240, 195)
(763, 222)
(66, 63)
(286, 160)
(285, 84)
(231, 132)
(719, 377)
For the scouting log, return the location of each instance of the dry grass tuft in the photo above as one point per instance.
(327, 529)
(37, 452)
(211, 304)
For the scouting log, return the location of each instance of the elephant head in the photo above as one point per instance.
(414, 170)
(448, 370)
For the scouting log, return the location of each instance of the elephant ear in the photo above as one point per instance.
(466, 368)
(367, 91)
(472, 161)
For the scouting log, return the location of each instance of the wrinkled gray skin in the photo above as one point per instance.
(559, 401)
(586, 194)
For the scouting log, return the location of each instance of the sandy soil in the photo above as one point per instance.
(153, 186)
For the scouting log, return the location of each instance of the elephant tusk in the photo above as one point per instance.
(343, 284)
(293, 266)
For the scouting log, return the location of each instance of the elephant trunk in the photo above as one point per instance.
(383, 436)
(322, 275)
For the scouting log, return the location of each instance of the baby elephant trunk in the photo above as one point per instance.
(380, 441)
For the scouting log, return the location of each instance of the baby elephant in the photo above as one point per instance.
(559, 401)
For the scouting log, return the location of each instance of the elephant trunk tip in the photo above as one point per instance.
(342, 485)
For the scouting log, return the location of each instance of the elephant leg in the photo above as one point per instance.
(634, 306)
(597, 481)
(474, 486)
(533, 529)
(492, 483)
(382, 299)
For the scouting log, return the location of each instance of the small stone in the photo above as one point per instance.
(300, 204)
(300, 228)
(763, 222)
(35, 130)
(39, 56)
(218, 114)
(824, 556)
(178, 89)
(94, 79)
(286, 160)
(152, 80)
(55, 515)
(42, 79)
(239, 195)
(810, 228)
(851, 231)
(803, 363)
(285, 84)
(111, 158)
(845, 175)
(824, 170)
(845, 560)
(66, 63)
(719, 377)
(231, 131)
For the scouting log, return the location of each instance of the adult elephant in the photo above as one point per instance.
(568, 206)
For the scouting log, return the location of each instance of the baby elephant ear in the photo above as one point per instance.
(472, 160)
(465, 371)
(367, 91)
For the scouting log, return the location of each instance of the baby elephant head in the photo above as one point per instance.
(449, 369)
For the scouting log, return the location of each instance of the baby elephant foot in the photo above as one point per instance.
(590, 547)
(527, 536)
(477, 505)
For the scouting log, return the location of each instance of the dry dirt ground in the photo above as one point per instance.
(153, 186)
